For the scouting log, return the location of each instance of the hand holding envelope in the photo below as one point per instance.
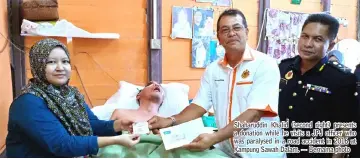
(156, 123)
(201, 143)
(198, 138)
(127, 140)
(121, 125)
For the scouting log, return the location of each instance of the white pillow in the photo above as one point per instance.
(176, 99)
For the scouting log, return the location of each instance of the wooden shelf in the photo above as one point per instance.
(92, 36)
(61, 28)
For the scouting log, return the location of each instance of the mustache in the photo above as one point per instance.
(231, 40)
(309, 51)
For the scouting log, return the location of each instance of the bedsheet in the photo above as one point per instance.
(151, 146)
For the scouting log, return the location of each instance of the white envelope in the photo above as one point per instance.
(182, 134)
(141, 128)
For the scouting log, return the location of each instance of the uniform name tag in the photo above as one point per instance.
(317, 88)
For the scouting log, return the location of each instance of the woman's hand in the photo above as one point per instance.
(127, 140)
(123, 124)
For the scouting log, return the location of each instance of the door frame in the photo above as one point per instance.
(17, 53)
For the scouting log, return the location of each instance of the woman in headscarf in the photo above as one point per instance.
(337, 56)
(51, 119)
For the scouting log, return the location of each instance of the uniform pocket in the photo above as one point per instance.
(243, 88)
(317, 98)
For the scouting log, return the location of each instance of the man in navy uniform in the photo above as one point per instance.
(312, 88)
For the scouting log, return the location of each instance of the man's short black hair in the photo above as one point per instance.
(324, 19)
(232, 12)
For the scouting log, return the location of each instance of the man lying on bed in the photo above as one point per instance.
(149, 99)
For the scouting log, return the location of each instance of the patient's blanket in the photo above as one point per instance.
(151, 146)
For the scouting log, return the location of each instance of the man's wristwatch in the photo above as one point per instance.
(173, 121)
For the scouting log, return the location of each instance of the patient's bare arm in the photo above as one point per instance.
(116, 114)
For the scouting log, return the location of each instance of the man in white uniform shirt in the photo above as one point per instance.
(242, 87)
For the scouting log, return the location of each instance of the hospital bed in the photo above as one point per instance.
(176, 99)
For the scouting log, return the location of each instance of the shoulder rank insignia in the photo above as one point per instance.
(339, 66)
(245, 74)
(289, 75)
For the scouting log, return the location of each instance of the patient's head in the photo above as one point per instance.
(153, 92)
